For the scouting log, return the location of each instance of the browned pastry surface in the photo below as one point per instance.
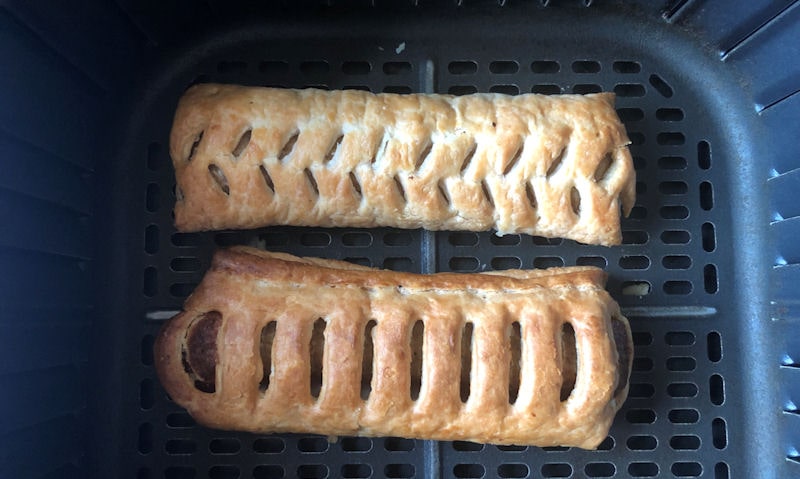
(273, 343)
(555, 166)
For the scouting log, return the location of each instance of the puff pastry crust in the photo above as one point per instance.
(212, 358)
(554, 166)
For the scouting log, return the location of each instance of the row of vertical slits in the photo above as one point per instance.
(762, 41)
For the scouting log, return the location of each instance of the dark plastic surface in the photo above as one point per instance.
(708, 272)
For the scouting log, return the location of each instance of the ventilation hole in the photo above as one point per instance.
(543, 262)
(270, 471)
(586, 88)
(462, 67)
(531, 195)
(596, 261)
(673, 187)
(634, 262)
(684, 443)
(273, 67)
(710, 281)
(600, 469)
(721, 471)
(642, 443)
(182, 240)
(269, 445)
(145, 442)
(356, 68)
(681, 364)
(503, 67)
(630, 114)
(356, 185)
(423, 156)
(514, 160)
(181, 290)
(152, 197)
(462, 238)
(709, 237)
(569, 361)
(643, 469)
(679, 338)
(486, 192)
(154, 156)
(265, 350)
(151, 239)
(716, 389)
(545, 66)
(678, 287)
(672, 163)
(219, 177)
(575, 200)
(356, 87)
(398, 264)
(546, 89)
(397, 68)
(682, 390)
(512, 448)
(704, 155)
(356, 444)
(146, 394)
(400, 188)
(180, 446)
(505, 240)
(180, 472)
(356, 470)
(677, 262)
(224, 446)
(687, 469)
(399, 470)
(714, 344)
(669, 114)
(642, 338)
(150, 282)
(585, 66)
(357, 240)
(469, 470)
(241, 145)
(627, 67)
(288, 147)
(195, 145)
(506, 262)
(180, 420)
(317, 354)
(674, 212)
(459, 90)
(398, 444)
(467, 446)
(223, 472)
(607, 444)
(556, 470)
(635, 288)
(661, 86)
(670, 138)
(640, 390)
(505, 89)
(629, 90)
(513, 470)
(417, 340)
(675, 237)
(515, 359)
(719, 433)
(313, 444)
(706, 196)
(555, 448)
(359, 261)
(319, 67)
(634, 237)
(333, 149)
(312, 183)
(183, 264)
(463, 263)
(315, 239)
(399, 238)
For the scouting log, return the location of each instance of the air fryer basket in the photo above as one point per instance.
(707, 271)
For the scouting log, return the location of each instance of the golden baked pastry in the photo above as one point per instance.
(269, 342)
(555, 166)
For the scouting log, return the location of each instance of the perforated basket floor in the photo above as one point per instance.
(671, 275)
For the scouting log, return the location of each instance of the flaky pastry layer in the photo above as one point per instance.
(244, 354)
(554, 166)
